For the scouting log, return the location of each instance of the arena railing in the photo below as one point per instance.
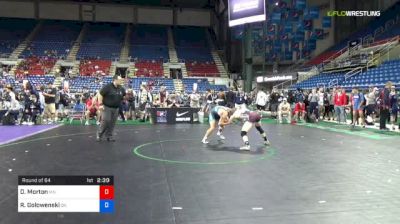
(204, 75)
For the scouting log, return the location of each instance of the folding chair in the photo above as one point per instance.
(77, 112)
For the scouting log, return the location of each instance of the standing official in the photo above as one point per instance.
(110, 97)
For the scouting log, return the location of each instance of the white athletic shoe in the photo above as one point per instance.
(221, 136)
(204, 141)
(245, 148)
(87, 123)
(97, 123)
(267, 143)
(31, 123)
(24, 123)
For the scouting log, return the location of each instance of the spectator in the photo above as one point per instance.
(274, 100)
(230, 98)
(50, 103)
(221, 99)
(321, 102)
(357, 103)
(299, 111)
(64, 101)
(130, 98)
(261, 100)
(194, 100)
(340, 102)
(145, 98)
(394, 106)
(370, 108)
(284, 111)
(384, 105)
(331, 103)
(163, 96)
(12, 106)
(92, 110)
(240, 100)
(314, 99)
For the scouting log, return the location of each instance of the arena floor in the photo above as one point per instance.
(312, 173)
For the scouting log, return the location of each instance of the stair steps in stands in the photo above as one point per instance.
(173, 56)
(75, 48)
(21, 47)
(166, 70)
(125, 49)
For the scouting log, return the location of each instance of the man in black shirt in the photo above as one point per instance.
(110, 97)
(50, 103)
(230, 98)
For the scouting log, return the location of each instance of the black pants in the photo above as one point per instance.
(109, 118)
(384, 114)
(314, 109)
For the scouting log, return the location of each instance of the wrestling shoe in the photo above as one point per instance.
(98, 138)
(110, 139)
(245, 148)
(221, 136)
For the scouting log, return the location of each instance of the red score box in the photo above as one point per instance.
(106, 192)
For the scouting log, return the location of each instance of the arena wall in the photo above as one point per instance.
(63, 10)
(16, 9)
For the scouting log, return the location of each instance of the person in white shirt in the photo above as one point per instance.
(284, 110)
(13, 104)
(41, 99)
(321, 108)
(261, 100)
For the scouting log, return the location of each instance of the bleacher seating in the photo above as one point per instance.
(94, 67)
(156, 83)
(202, 85)
(388, 71)
(102, 41)
(321, 80)
(35, 66)
(54, 39)
(193, 48)
(322, 57)
(77, 84)
(13, 32)
(202, 69)
(149, 68)
(369, 30)
(191, 44)
(149, 43)
(40, 80)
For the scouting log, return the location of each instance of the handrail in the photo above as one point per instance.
(352, 73)
(335, 55)
(283, 83)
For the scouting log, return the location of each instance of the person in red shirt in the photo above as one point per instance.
(92, 110)
(340, 100)
(299, 111)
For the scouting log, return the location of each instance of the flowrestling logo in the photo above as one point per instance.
(354, 13)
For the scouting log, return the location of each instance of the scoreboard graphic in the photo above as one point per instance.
(66, 194)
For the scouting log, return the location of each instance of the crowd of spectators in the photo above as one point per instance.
(47, 104)
(363, 107)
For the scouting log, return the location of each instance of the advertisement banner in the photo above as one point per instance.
(246, 11)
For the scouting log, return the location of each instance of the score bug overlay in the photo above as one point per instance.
(66, 194)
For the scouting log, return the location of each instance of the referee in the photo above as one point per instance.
(110, 97)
